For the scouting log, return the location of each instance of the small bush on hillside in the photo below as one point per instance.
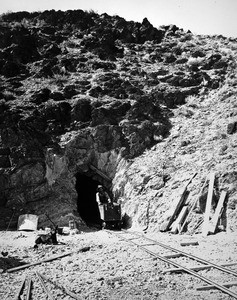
(91, 12)
(59, 79)
(195, 61)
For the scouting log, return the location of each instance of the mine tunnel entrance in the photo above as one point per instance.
(87, 206)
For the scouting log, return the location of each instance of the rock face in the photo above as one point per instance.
(88, 99)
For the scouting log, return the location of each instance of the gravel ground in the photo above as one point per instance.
(111, 268)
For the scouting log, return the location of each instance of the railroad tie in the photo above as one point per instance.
(198, 268)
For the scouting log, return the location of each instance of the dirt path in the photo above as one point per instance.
(112, 269)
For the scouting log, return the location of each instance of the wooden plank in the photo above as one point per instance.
(208, 287)
(191, 243)
(46, 260)
(178, 222)
(166, 225)
(198, 224)
(217, 214)
(100, 173)
(28, 289)
(38, 262)
(198, 268)
(193, 206)
(205, 226)
(20, 289)
(173, 255)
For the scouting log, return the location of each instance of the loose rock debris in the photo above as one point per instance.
(112, 269)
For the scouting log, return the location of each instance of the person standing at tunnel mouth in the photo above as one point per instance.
(102, 196)
(110, 212)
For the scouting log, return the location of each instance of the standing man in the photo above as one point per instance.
(102, 196)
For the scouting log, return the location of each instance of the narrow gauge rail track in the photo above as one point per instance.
(136, 236)
(27, 283)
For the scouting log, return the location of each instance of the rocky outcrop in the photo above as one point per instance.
(85, 95)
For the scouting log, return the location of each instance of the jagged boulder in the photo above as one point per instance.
(10, 68)
(107, 137)
(112, 113)
(58, 116)
(69, 91)
(57, 96)
(232, 128)
(52, 51)
(19, 44)
(48, 68)
(149, 33)
(41, 96)
(82, 110)
(211, 60)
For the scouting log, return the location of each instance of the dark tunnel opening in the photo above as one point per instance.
(86, 202)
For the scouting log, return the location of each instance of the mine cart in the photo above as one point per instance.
(110, 214)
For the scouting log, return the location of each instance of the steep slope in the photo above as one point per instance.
(199, 142)
(88, 99)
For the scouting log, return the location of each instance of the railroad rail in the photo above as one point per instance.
(27, 282)
(177, 253)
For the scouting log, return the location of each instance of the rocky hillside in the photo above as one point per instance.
(88, 99)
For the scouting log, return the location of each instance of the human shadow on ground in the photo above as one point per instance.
(10, 262)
